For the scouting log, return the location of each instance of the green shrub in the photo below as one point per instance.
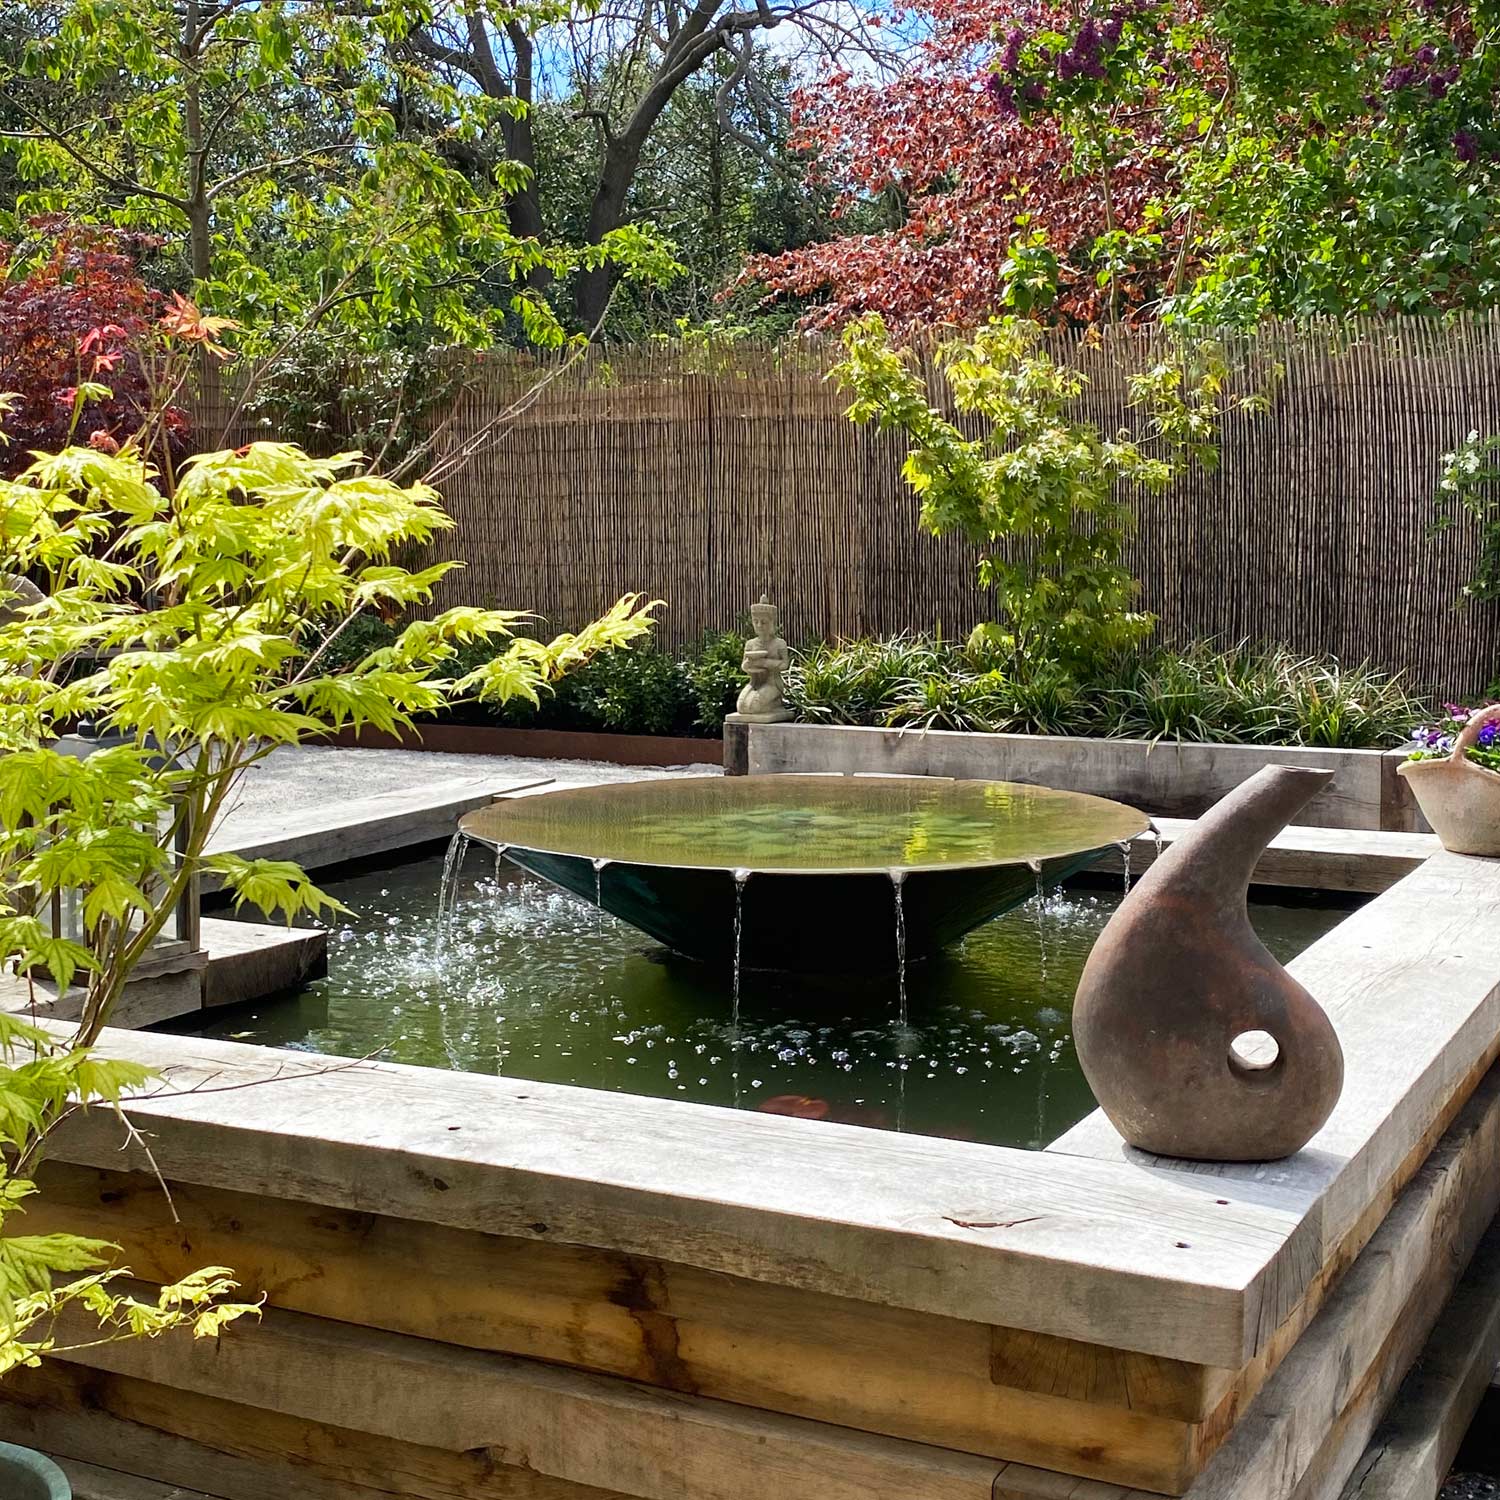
(714, 676)
(855, 682)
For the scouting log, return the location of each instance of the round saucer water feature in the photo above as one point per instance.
(819, 874)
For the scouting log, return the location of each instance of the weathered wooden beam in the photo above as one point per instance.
(1300, 858)
(1084, 1249)
(358, 828)
(638, 1440)
(1413, 1449)
(1168, 777)
(249, 960)
(853, 1364)
(230, 1452)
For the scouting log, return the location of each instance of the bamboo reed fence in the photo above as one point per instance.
(705, 476)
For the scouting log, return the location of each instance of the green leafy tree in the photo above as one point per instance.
(194, 614)
(1040, 493)
(312, 177)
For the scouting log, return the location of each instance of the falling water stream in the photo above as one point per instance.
(1124, 847)
(599, 865)
(898, 886)
(741, 880)
(447, 903)
(1035, 866)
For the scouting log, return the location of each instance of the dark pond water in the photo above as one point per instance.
(534, 983)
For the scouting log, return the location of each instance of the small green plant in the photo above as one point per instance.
(1470, 485)
(1038, 493)
(712, 667)
(199, 618)
(1435, 740)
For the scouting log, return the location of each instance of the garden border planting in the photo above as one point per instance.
(1171, 778)
(651, 1298)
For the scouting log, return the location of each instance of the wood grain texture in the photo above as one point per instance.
(854, 1364)
(588, 1430)
(206, 1444)
(1090, 1250)
(534, 1419)
(1413, 1449)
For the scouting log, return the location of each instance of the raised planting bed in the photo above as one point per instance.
(485, 1287)
(541, 744)
(1180, 779)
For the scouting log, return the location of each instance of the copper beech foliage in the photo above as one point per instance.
(971, 174)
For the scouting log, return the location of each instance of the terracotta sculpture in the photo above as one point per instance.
(1178, 979)
(766, 658)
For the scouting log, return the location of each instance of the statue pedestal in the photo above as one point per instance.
(781, 716)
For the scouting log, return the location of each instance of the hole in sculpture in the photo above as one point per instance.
(1254, 1054)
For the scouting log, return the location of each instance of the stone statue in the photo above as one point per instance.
(766, 658)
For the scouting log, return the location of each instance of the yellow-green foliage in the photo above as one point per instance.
(191, 620)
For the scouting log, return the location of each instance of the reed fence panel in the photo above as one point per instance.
(705, 477)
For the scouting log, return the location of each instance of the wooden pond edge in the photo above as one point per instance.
(1172, 778)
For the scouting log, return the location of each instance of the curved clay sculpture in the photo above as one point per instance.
(1178, 975)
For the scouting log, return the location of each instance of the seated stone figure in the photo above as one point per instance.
(766, 659)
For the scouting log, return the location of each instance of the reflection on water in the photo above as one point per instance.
(808, 822)
(537, 984)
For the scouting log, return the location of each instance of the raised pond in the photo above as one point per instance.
(526, 980)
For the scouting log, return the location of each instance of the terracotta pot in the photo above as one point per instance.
(1459, 797)
(28, 1475)
(1178, 979)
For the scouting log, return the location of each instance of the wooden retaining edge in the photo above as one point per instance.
(540, 744)
(622, 1438)
(1168, 777)
(1414, 1448)
(1319, 859)
(1081, 1242)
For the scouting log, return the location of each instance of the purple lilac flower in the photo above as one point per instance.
(1004, 95)
(1112, 30)
(1010, 58)
(1465, 146)
(1427, 54)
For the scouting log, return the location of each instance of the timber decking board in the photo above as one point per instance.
(357, 828)
(1201, 1266)
(1302, 858)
